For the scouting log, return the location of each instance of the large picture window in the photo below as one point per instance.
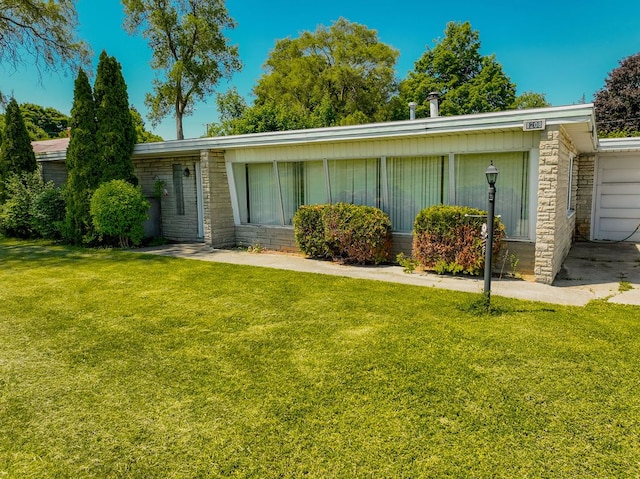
(271, 193)
(355, 181)
(415, 183)
(512, 198)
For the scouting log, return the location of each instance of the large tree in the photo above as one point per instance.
(83, 166)
(44, 122)
(190, 52)
(617, 104)
(467, 81)
(42, 30)
(342, 74)
(16, 153)
(116, 133)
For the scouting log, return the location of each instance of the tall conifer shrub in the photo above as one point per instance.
(83, 165)
(116, 133)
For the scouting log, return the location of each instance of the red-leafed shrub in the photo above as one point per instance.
(344, 232)
(448, 239)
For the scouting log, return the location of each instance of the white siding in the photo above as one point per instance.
(617, 197)
(436, 145)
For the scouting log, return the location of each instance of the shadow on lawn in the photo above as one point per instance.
(52, 254)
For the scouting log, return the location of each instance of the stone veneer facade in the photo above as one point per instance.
(219, 226)
(556, 218)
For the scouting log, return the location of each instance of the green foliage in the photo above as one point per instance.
(115, 133)
(119, 209)
(337, 75)
(448, 239)
(142, 135)
(44, 122)
(17, 212)
(40, 32)
(308, 229)
(467, 81)
(344, 232)
(48, 211)
(83, 165)
(408, 263)
(530, 99)
(189, 50)
(617, 104)
(16, 153)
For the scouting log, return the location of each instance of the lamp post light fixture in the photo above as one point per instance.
(492, 177)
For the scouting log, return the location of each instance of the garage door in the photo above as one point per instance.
(618, 198)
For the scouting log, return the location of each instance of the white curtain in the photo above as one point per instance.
(262, 205)
(415, 183)
(355, 181)
(301, 183)
(512, 197)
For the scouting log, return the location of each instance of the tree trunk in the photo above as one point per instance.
(179, 131)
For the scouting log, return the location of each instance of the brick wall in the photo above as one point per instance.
(584, 196)
(174, 226)
(55, 171)
(555, 224)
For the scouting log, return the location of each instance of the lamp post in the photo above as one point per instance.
(492, 177)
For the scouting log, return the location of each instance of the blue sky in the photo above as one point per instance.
(562, 49)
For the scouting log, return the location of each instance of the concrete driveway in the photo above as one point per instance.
(605, 269)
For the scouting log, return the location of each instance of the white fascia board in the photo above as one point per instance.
(619, 144)
(505, 120)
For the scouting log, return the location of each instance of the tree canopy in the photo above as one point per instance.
(467, 81)
(190, 51)
(42, 30)
(344, 68)
(617, 104)
(142, 135)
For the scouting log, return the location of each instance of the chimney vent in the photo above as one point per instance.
(433, 98)
(412, 110)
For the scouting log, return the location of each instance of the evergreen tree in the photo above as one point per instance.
(83, 166)
(467, 81)
(116, 133)
(16, 154)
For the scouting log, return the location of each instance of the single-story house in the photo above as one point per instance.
(558, 182)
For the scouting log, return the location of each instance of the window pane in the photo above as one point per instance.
(301, 183)
(512, 197)
(415, 183)
(262, 198)
(355, 181)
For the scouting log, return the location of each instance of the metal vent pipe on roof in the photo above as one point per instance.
(412, 110)
(433, 98)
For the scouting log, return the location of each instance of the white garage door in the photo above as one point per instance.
(618, 197)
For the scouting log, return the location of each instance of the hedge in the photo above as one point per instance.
(343, 232)
(448, 239)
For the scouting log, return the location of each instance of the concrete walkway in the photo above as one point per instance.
(590, 272)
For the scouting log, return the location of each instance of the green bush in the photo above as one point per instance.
(118, 210)
(309, 231)
(48, 210)
(448, 239)
(16, 214)
(344, 232)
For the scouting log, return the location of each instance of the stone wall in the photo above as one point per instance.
(584, 196)
(219, 226)
(555, 220)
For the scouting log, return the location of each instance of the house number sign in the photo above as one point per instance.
(530, 125)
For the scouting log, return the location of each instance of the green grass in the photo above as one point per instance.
(118, 364)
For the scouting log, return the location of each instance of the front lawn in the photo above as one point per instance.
(119, 364)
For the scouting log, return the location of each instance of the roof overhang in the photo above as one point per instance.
(577, 120)
(613, 145)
